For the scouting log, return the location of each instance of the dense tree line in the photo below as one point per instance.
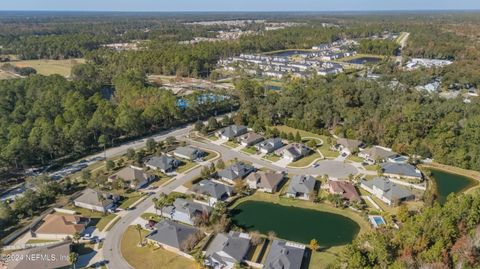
(438, 237)
(44, 118)
(382, 47)
(407, 120)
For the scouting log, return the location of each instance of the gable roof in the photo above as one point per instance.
(270, 144)
(284, 255)
(60, 224)
(233, 130)
(390, 190)
(350, 144)
(163, 162)
(92, 197)
(234, 244)
(171, 233)
(236, 170)
(58, 250)
(188, 207)
(302, 184)
(268, 180)
(295, 150)
(250, 138)
(213, 189)
(345, 189)
(188, 151)
(401, 169)
(130, 173)
(379, 153)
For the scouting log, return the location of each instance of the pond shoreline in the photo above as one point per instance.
(472, 174)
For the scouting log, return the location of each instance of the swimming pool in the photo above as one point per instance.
(376, 220)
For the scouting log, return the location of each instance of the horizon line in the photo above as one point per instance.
(234, 11)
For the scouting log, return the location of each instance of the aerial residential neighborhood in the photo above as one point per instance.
(239, 134)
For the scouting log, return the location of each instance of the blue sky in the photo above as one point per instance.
(237, 5)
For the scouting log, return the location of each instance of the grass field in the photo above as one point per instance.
(305, 161)
(50, 67)
(146, 257)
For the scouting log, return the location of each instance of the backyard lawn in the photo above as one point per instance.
(305, 161)
(146, 257)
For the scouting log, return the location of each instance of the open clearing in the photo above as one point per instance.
(50, 67)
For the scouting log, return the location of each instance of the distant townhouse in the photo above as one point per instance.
(385, 190)
(135, 177)
(163, 163)
(212, 191)
(185, 211)
(376, 154)
(301, 187)
(189, 153)
(284, 255)
(96, 200)
(343, 188)
(401, 170)
(32, 257)
(227, 250)
(293, 152)
(264, 181)
(232, 131)
(250, 139)
(348, 146)
(269, 145)
(235, 171)
(56, 226)
(172, 236)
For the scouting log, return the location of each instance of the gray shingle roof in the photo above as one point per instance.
(163, 162)
(171, 233)
(234, 244)
(301, 184)
(190, 208)
(189, 151)
(263, 179)
(284, 255)
(391, 191)
(61, 249)
(213, 189)
(350, 144)
(270, 144)
(379, 153)
(92, 197)
(233, 131)
(237, 170)
(401, 169)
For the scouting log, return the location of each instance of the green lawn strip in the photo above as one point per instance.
(146, 257)
(210, 155)
(40, 241)
(112, 223)
(212, 138)
(271, 157)
(129, 199)
(186, 166)
(249, 150)
(372, 167)
(355, 158)
(231, 144)
(305, 160)
(102, 223)
(151, 216)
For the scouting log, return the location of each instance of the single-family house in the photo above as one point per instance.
(56, 226)
(284, 255)
(401, 170)
(376, 154)
(226, 250)
(231, 131)
(135, 177)
(301, 187)
(293, 152)
(172, 235)
(250, 139)
(56, 257)
(189, 153)
(264, 181)
(269, 145)
(387, 191)
(185, 211)
(163, 163)
(343, 188)
(235, 171)
(348, 146)
(96, 200)
(213, 191)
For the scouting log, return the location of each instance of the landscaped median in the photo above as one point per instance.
(148, 257)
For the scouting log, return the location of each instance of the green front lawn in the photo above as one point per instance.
(186, 166)
(305, 161)
(327, 152)
(355, 158)
(212, 138)
(149, 257)
(249, 150)
(231, 144)
(130, 198)
(151, 216)
(272, 157)
(210, 155)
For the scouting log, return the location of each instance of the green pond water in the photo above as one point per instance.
(295, 224)
(450, 183)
